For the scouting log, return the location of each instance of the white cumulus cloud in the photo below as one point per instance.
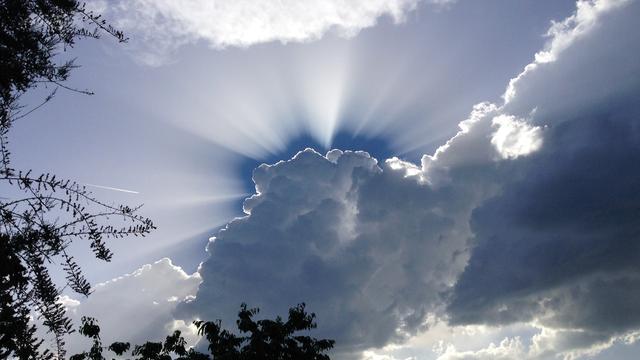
(514, 137)
(136, 307)
(164, 25)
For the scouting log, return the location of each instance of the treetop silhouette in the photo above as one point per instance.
(255, 340)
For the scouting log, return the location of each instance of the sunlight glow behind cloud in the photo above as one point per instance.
(266, 105)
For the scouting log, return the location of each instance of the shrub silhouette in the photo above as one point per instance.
(255, 340)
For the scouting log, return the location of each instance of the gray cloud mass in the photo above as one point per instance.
(529, 214)
(369, 251)
(561, 242)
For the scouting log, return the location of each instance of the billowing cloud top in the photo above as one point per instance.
(367, 249)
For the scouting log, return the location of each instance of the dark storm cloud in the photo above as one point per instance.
(561, 243)
(568, 222)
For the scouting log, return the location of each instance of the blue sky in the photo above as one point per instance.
(498, 133)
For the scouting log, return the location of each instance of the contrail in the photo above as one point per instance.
(113, 188)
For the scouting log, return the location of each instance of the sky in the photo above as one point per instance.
(435, 179)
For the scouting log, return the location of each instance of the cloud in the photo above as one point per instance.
(558, 244)
(168, 24)
(564, 35)
(528, 215)
(507, 349)
(367, 249)
(136, 307)
(514, 137)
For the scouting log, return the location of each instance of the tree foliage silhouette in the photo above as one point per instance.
(40, 214)
(32, 32)
(257, 340)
